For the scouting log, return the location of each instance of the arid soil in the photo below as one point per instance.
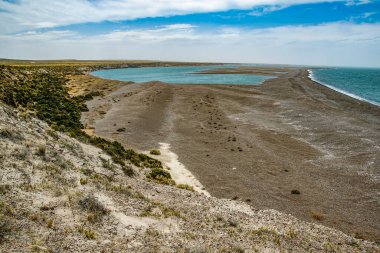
(60, 195)
(289, 144)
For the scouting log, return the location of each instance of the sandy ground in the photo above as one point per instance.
(178, 171)
(259, 143)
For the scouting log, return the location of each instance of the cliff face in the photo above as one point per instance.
(58, 195)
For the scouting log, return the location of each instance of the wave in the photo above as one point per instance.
(312, 77)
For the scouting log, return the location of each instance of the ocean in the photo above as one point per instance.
(180, 75)
(360, 83)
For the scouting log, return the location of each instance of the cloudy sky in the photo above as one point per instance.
(312, 32)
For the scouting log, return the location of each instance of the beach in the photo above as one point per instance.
(289, 144)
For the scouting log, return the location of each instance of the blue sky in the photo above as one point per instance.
(312, 32)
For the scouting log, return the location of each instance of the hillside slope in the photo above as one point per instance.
(58, 195)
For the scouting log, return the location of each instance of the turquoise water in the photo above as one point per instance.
(363, 84)
(180, 75)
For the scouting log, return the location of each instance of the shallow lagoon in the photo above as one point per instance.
(180, 75)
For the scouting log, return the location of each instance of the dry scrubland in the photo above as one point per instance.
(59, 194)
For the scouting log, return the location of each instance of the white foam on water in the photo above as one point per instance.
(312, 77)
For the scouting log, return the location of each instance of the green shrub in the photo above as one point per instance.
(142, 160)
(155, 152)
(161, 176)
(89, 234)
(160, 172)
(185, 187)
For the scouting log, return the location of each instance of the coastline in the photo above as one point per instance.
(259, 143)
(312, 77)
(265, 71)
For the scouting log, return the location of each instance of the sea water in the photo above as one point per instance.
(360, 83)
(180, 75)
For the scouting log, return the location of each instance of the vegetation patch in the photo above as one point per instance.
(9, 134)
(142, 160)
(83, 181)
(95, 209)
(296, 192)
(161, 176)
(185, 187)
(317, 216)
(41, 150)
(164, 211)
(264, 232)
(128, 171)
(87, 232)
(42, 91)
(122, 129)
(155, 152)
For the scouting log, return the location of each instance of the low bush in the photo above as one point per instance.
(90, 234)
(161, 176)
(160, 173)
(185, 187)
(142, 160)
(296, 192)
(41, 150)
(155, 152)
(91, 204)
(128, 171)
(83, 181)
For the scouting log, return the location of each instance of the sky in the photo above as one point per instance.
(299, 32)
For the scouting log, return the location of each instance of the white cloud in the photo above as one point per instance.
(266, 9)
(368, 14)
(357, 2)
(31, 14)
(326, 44)
(38, 36)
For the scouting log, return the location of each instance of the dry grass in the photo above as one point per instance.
(185, 187)
(317, 216)
(41, 150)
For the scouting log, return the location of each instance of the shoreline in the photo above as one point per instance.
(258, 71)
(312, 77)
(258, 143)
